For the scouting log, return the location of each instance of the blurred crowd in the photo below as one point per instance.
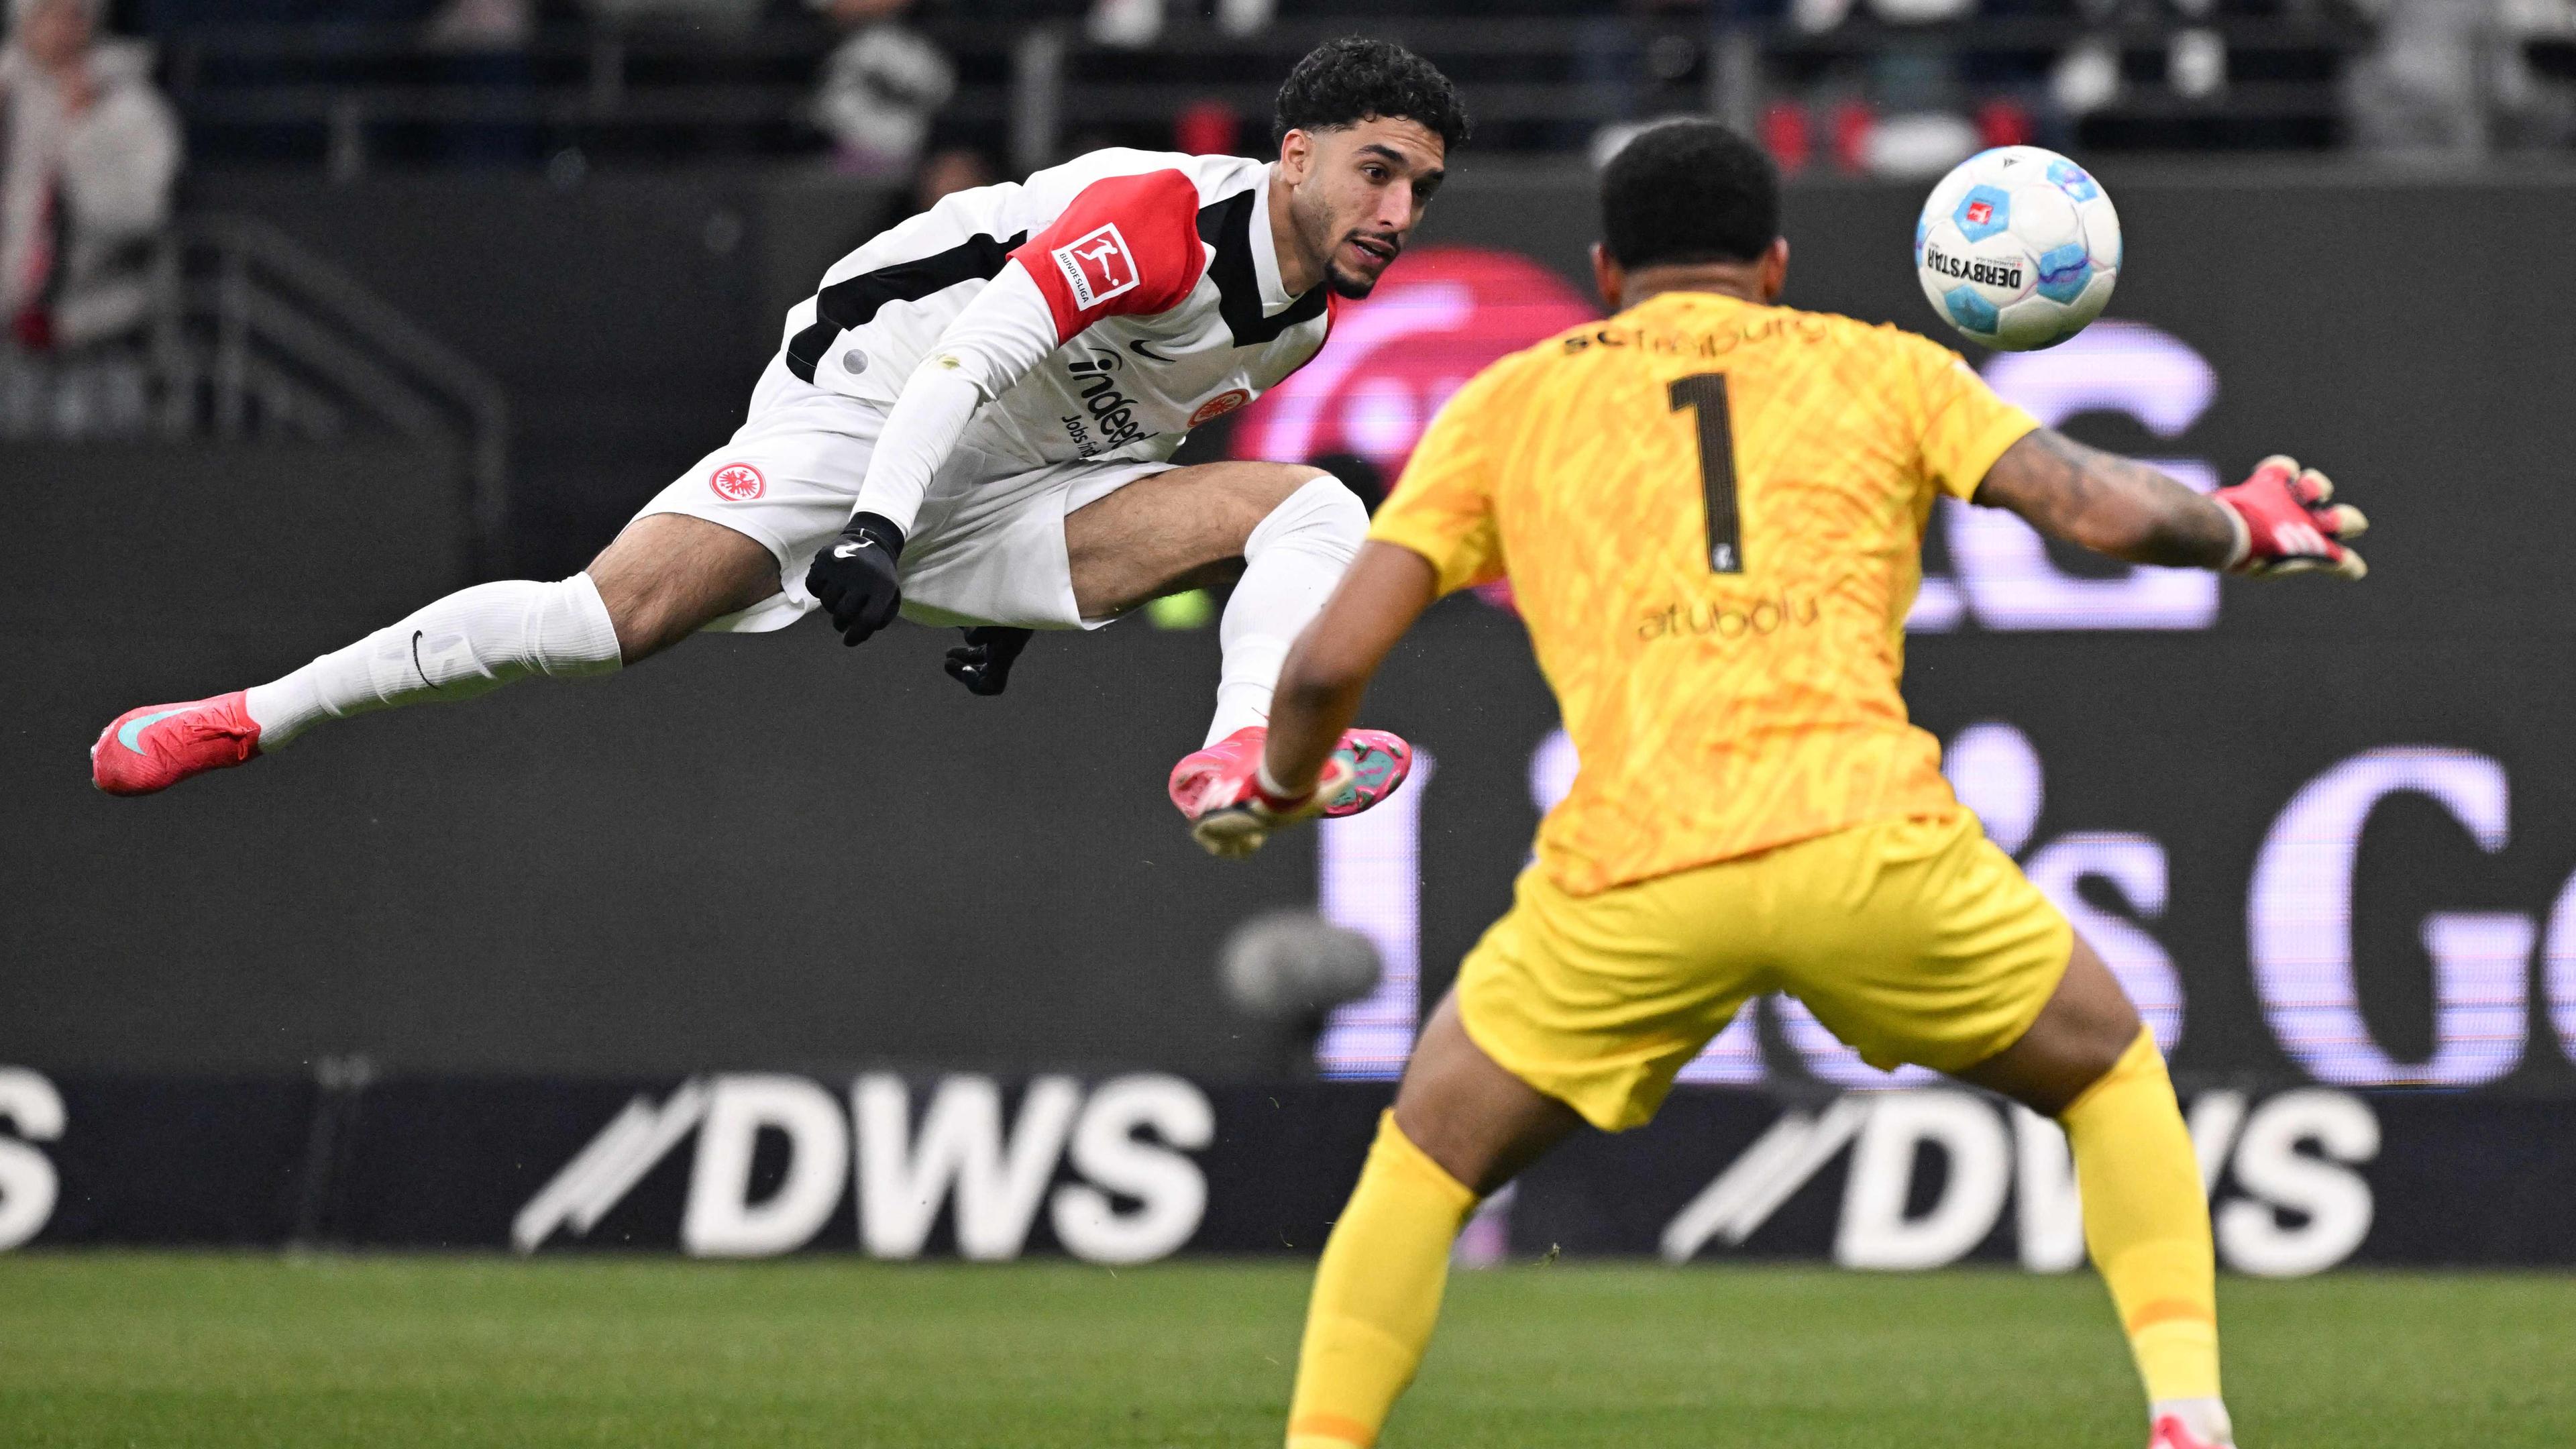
(89, 150)
(101, 99)
(930, 91)
(1858, 85)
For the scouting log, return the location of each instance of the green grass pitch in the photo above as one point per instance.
(157, 1350)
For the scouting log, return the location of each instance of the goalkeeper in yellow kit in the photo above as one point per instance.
(1710, 509)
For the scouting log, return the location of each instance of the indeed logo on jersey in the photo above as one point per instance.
(1111, 412)
(1098, 266)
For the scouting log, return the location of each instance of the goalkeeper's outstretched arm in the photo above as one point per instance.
(2279, 520)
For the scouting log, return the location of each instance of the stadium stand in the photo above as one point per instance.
(1850, 85)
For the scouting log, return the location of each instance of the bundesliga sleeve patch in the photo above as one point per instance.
(1125, 246)
(1097, 265)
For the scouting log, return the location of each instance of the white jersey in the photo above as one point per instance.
(1101, 309)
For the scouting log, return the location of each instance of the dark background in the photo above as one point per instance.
(770, 852)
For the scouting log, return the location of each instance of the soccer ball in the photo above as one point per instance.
(2018, 248)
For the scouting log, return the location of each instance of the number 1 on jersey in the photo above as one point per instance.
(1705, 394)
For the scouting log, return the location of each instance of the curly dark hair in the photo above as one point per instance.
(1344, 82)
(1689, 191)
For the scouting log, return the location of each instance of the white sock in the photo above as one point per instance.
(466, 644)
(2205, 1418)
(1290, 565)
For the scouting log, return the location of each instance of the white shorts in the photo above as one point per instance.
(987, 547)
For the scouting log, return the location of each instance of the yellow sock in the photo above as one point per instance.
(2146, 1220)
(1377, 1294)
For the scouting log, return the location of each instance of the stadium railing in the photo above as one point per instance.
(256, 337)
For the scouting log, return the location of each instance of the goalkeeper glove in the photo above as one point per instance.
(853, 578)
(2285, 523)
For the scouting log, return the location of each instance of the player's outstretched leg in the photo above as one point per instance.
(463, 645)
(1295, 529)
(660, 580)
(2089, 1063)
(1291, 561)
(1290, 564)
(1461, 1127)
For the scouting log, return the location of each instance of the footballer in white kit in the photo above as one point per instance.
(1105, 307)
(972, 423)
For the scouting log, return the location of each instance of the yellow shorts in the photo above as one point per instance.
(1914, 940)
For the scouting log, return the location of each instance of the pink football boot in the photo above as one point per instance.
(1379, 763)
(159, 745)
(1218, 790)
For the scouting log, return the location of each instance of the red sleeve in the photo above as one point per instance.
(1127, 246)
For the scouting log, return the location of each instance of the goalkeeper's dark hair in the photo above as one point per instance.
(1689, 191)
(1344, 82)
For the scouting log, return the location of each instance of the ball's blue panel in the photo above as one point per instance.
(2063, 273)
(1973, 313)
(1922, 230)
(2072, 180)
(1984, 211)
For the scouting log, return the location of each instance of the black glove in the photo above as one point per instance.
(983, 662)
(853, 578)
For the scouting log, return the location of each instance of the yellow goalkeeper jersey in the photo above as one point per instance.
(1711, 515)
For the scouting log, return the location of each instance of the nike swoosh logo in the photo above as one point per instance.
(130, 734)
(846, 550)
(1149, 354)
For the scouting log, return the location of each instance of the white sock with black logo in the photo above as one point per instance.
(1290, 565)
(469, 643)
